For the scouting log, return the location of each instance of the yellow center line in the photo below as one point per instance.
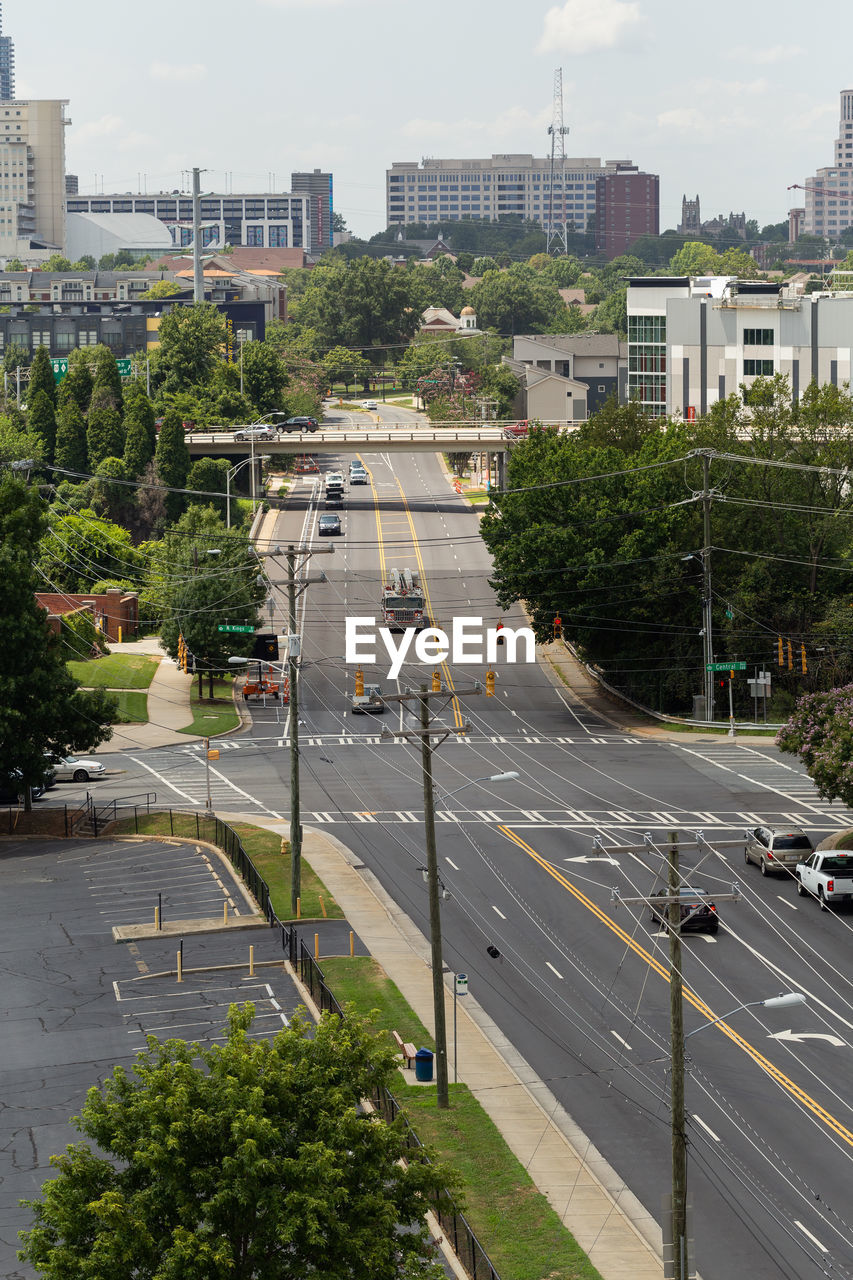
(457, 709)
(696, 1001)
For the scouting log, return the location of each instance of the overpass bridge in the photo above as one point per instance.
(388, 438)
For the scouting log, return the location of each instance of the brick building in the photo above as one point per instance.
(110, 609)
(627, 206)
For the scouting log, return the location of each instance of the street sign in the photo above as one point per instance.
(125, 368)
(725, 666)
(241, 630)
(60, 368)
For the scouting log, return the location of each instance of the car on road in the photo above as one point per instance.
(698, 912)
(516, 430)
(302, 423)
(358, 473)
(78, 769)
(255, 433)
(777, 850)
(827, 875)
(369, 404)
(328, 526)
(368, 703)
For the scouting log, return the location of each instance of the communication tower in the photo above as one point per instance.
(556, 231)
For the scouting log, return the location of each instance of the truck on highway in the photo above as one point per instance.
(828, 875)
(403, 603)
(334, 489)
(368, 703)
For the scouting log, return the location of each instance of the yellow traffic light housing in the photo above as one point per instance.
(490, 684)
(359, 683)
(436, 681)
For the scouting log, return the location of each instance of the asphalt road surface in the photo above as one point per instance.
(580, 985)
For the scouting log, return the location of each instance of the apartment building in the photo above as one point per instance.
(493, 187)
(694, 340)
(32, 175)
(829, 193)
(627, 206)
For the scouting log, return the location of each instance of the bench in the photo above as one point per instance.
(407, 1050)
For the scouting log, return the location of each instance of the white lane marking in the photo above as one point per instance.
(503, 917)
(553, 970)
(792, 905)
(706, 1127)
(176, 790)
(616, 1036)
(813, 1239)
(451, 863)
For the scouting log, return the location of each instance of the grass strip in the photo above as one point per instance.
(132, 707)
(116, 671)
(218, 715)
(513, 1221)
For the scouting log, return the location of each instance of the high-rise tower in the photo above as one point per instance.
(7, 64)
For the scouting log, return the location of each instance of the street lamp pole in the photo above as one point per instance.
(228, 478)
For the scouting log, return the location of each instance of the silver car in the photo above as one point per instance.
(777, 850)
(78, 769)
(256, 433)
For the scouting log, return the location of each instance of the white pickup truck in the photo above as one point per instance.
(828, 875)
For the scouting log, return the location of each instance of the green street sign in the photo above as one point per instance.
(60, 368)
(125, 368)
(243, 631)
(725, 666)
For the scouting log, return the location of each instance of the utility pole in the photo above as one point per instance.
(707, 623)
(198, 274)
(426, 732)
(676, 1032)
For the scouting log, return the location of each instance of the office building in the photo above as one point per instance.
(32, 176)
(492, 188)
(7, 65)
(694, 340)
(627, 206)
(263, 221)
(829, 194)
(318, 187)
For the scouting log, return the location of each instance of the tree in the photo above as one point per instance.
(516, 301)
(138, 406)
(172, 458)
(72, 450)
(15, 357)
(42, 710)
(82, 548)
(41, 421)
(41, 376)
(137, 446)
(264, 376)
(695, 259)
(107, 376)
(208, 476)
(250, 1160)
(364, 304)
(345, 366)
(17, 445)
(820, 732)
(162, 289)
(104, 431)
(192, 340)
(109, 497)
(338, 222)
(78, 383)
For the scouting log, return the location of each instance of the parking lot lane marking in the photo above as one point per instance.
(553, 970)
(706, 1127)
(191, 991)
(813, 1239)
(792, 905)
(624, 1043)
(500, 913)
(116, 990)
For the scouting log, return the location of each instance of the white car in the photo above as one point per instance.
(369, 404)
(78, 769)
(256, 433)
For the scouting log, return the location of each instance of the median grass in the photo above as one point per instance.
(213, 715)
(115, 671)
(514, 1222)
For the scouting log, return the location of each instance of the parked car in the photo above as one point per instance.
(777, 849)
(78, 769)
(329, 525)
(255, 433)
(698, 912)
(12, 789)
(300, 424)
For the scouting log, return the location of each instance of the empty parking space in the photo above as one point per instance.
(197, 1008)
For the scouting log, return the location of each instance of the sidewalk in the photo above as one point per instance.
(168, 705)
(608, 1222)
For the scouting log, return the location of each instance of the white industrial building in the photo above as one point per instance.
(99, 233)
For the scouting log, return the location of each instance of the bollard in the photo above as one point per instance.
(351, 944)
(316, 946)
(298, 908)
(323, 907)
(251, 962)
(119, 635)
(156, 917)
(180, 965)
(225, 911)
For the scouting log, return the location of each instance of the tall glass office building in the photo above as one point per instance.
(7, 64)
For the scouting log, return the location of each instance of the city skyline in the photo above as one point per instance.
(738, 124)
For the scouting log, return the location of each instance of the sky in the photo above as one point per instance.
(734, 101)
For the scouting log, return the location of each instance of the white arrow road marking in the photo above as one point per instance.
(596, 857)
(807, 1035)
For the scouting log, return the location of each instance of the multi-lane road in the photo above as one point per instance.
(580, 985)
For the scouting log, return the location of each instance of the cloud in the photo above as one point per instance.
(103, 127)
(580, 27)
(304, 4)
(177, 71)
(765, 57)
(514, 121)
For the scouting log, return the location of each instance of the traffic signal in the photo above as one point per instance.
(266, 648)
(436, 681)
(558, 627)
(490, 684)
(790, 656)
(189, 662)
(499, 628)
(803, 659)
(359, 683)
(781, 658)
(722, 684)
(182, 653)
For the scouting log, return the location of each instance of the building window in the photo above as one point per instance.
(278, 237)
(255, 236)
(758, 368)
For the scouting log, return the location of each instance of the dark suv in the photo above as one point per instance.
(299, 424)
(698, 912)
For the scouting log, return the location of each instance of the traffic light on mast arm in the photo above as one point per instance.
(490, 684)
(558, 627)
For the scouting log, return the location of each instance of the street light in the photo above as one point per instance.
(232, 472)
(678, 1233)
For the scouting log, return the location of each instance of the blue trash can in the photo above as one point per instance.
(423, 1065)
